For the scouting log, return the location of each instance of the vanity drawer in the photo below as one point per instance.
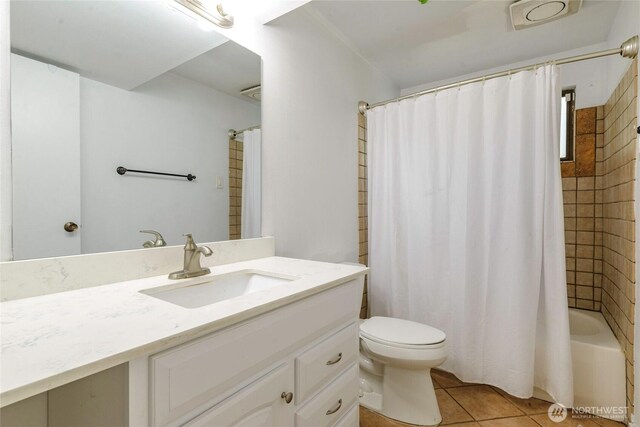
(195, 376)
(321, 363)
(350, 419)
(332, 403)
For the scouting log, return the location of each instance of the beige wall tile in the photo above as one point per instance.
(570, 211)
(617, 268)
(584, 304)
(586, 183)
(569, 196)
(586, 196)
(362, 204)
(585, 211)
(585, 251)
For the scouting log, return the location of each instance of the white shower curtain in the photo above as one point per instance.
(251, 185)
(466, 227)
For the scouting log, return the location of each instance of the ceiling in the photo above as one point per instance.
(264, 11)
(228, 68)
(121, 43)
(415, 44)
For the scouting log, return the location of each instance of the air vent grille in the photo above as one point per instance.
(253, 92)
(529, 13)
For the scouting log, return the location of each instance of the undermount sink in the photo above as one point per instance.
(198, 293)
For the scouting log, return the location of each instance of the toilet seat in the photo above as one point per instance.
(416, 357)
(401, 333)
(399, 345)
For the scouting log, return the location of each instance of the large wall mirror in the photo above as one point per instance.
(136, 85)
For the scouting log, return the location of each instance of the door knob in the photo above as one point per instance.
(70, 227)
(287, 396)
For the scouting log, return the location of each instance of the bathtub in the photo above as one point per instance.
(599, 379)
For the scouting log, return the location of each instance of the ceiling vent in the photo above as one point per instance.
(253, 92)
(529, 13)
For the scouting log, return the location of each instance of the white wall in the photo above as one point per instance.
(169, 124)
(588, 77)
(312, 83)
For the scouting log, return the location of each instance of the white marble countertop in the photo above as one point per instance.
(50, 340)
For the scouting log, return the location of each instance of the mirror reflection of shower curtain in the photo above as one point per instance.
(250, 225)
(466, 228)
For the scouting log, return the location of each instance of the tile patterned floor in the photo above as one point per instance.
(478, 405)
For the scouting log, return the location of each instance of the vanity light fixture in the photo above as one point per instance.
(207, 9)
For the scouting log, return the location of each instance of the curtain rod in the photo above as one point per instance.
(628, 49)
(233, 133)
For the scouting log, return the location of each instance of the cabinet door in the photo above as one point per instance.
(258, 405)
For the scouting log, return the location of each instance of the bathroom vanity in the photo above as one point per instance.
(281, 348)
(296, 362)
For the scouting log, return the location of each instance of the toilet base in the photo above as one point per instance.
(372, 400)
(401, 394)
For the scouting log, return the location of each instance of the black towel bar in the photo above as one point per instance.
(122, 170)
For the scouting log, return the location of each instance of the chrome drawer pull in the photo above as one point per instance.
(336, 409)
(336, 360)
(287, 396)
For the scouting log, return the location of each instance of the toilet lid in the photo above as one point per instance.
(400, 331)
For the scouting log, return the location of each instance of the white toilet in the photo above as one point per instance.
(396, 357)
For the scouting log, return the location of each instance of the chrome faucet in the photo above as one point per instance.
(155, 243)
(192, 267)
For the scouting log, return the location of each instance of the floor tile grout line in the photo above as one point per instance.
(459, 404)
(500, 391)
(491, 387)
(532, 419)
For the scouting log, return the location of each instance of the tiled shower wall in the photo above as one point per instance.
(599, 214)
(583, 225)
(362, 206)
(615, 190)
(235, 187)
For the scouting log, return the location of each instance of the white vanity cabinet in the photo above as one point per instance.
(296, 365)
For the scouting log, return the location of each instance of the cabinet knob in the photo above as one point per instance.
(70, 227)
(288, 397)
